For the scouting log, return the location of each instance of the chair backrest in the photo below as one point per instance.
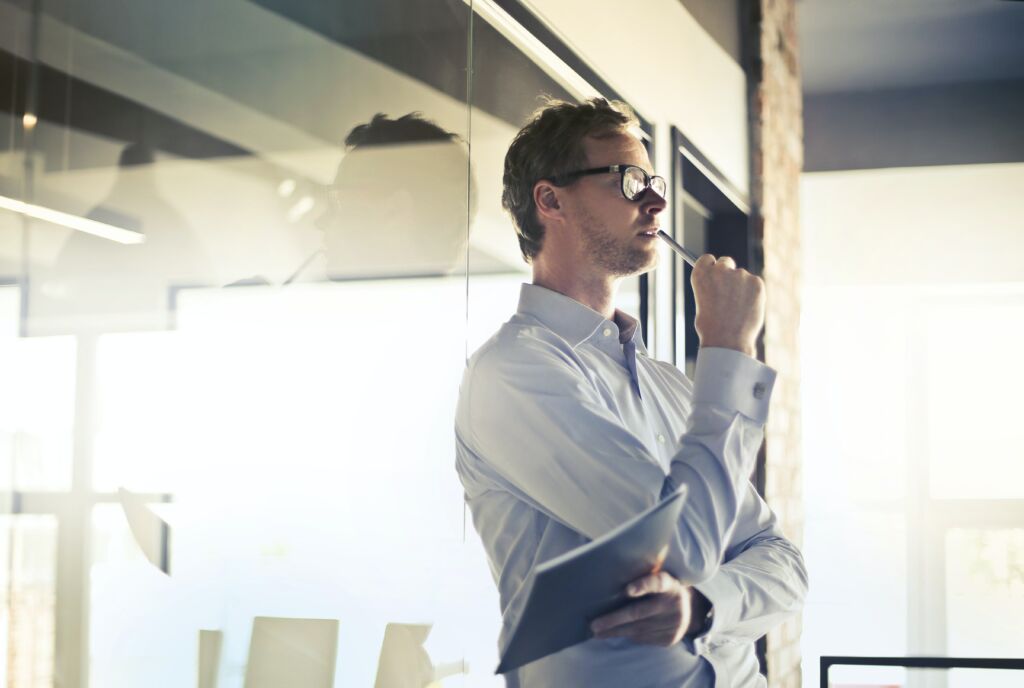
(210, 642)
(292, 652)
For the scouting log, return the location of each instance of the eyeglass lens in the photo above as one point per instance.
(635, 182)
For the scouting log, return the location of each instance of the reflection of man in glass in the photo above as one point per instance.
(399, 202)
(566, 428)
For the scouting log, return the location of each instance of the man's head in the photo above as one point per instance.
(399, 200)
(567, 217)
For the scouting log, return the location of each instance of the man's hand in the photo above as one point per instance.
(730, 304)
(661, 616)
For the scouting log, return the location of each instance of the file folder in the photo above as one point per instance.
(568, 592)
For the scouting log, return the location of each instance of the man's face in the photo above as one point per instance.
(397, 209)
(616, 234)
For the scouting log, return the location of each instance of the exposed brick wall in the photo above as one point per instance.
(776, 162)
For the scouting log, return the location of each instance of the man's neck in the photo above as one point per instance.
(597, 293)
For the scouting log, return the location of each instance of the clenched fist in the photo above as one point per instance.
(661, 613)
(730, 304)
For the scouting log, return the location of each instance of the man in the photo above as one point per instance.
(566, 428)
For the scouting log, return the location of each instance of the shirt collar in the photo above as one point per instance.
(571, 320)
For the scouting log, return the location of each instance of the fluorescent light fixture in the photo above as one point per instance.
(550, 63)
(82, 224)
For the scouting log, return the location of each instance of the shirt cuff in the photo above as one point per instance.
(729, 378)
(724, 596)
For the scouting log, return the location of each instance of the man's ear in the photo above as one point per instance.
(545, 197)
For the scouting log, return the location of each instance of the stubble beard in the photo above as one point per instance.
(615, 254)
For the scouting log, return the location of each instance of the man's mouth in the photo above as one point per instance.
(652, 233)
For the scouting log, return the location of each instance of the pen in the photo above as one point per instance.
(678, 248)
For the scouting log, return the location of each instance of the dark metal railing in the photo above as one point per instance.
(920, 663)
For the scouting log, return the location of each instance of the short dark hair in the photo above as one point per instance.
(551, 144)
(136, 154)
(412, 156)
(409, 128)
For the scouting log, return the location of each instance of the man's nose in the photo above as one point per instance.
(652, 202)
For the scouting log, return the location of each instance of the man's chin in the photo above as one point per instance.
(638, 267)
(647, 264)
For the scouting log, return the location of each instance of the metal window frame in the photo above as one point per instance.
(826, 662)
(683, 148)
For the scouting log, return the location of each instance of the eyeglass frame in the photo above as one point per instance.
(569, 177)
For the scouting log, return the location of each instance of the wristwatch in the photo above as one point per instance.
(705, 626)
(709, 619)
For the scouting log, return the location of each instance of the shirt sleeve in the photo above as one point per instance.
(530, 411)
(762, 581)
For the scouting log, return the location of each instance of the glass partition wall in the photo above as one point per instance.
(234, 240)
(245, 249)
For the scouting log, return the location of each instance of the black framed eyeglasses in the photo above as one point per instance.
(634, 181)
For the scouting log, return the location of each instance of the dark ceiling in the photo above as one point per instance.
(863, 45)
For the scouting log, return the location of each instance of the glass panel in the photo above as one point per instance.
(37, 402)
(985, 601)
(975, 437)
(143, 625)
(855, 538)
(848, 597)
(143, 410)
(254, 285)
(858, 436)
(28, 550)
(9, 295)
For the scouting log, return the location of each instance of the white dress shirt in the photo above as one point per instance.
(566, 428)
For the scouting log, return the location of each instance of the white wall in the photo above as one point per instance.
(938, 225)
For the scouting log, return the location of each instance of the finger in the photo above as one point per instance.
(650, 627)
(726, 261)
(631, 613)
(705, 261)
(625, 615)
(652, 583)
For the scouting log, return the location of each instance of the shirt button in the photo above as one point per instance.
(759, 390)
(661, 438)
(607, 331)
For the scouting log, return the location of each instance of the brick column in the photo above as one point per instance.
(776, 123)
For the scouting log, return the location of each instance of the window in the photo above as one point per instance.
(710, 216)
(912, 478)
